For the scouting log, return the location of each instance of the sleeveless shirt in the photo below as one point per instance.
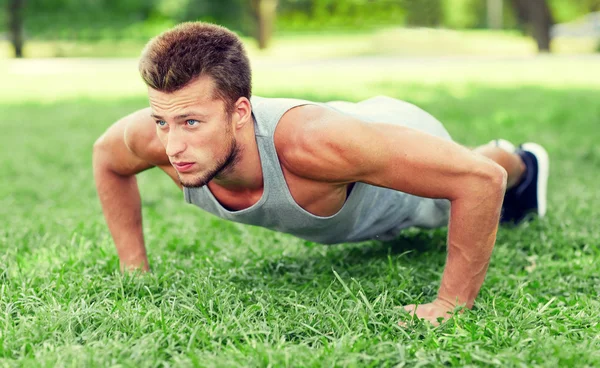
(369, 212)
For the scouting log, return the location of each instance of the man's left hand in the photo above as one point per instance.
(431, 312)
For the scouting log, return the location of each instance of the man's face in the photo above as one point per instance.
(196, 131)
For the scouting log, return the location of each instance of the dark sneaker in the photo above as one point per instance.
(529, 196)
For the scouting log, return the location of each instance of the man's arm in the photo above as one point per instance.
(334, 148)
(127, 148)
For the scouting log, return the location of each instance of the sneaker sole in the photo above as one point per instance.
(505, 145)
(543, 171)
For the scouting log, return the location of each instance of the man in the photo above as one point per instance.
(330, 173)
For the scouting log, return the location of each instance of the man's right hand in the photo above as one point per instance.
(134, 265)
(128, 147)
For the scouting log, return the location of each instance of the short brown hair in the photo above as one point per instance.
(178, 56)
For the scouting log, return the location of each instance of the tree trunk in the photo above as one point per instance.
(494, 14)
(15, 25)
(541, 21)
(536, 14)
(265, 12)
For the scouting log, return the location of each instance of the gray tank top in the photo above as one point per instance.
(369, 212)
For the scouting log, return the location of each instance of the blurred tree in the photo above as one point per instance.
(423, 12)
(15, 25)
(567, 11)
(174, 9)
(95, 20)
(494, 14)
(537, 19)
(233, 14)
(265, 13)
(254, 17)
(336, 15)
(464, 14)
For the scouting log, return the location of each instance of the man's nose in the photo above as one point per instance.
(175, 144)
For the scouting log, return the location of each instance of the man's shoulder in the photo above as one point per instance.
(299, 124)
(308, 136)
(141, 139)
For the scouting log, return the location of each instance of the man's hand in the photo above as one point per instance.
(431, 312)
(128, 147)
(133, 265)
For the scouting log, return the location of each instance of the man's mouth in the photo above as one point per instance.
(183, 166)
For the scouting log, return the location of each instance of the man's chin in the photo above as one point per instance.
(192, 182)
(192, 185)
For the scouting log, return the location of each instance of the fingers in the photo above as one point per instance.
(425, 312)
(410, 308)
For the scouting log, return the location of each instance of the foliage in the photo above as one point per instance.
(142, 19)
(3, 18)
(566, 11)
(463, 14)
(234, 14)
(86, 20)
(298, 15)
(129, 19)
(423, 13)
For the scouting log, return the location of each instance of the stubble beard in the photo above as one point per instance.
(224, 166)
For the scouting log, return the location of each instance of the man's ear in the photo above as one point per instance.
(242, 112)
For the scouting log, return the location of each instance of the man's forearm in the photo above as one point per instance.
(471, 238)
(121, 204)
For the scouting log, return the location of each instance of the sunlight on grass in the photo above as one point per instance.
(55, 79)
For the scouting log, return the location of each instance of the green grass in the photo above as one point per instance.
(223, 294)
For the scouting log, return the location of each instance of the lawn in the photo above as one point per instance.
(224, 294)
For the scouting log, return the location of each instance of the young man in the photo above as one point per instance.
(327, 172)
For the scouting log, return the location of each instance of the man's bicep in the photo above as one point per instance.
(336, 148)
(415, 162)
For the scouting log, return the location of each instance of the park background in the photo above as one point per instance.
(224, 294)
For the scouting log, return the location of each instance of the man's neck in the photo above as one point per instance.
(246, 174)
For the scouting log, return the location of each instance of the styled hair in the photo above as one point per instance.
(178, 56)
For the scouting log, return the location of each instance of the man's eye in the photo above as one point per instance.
(192, 122)
(161, 123)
